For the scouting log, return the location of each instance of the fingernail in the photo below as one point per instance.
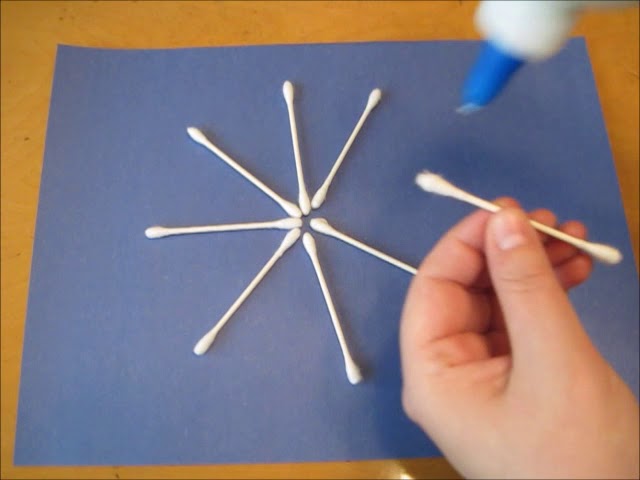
(509, 229)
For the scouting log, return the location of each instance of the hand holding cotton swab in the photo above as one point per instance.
(430, 182)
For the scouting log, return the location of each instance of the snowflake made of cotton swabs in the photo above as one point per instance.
(292, 223)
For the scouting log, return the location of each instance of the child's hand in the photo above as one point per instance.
(496, 365)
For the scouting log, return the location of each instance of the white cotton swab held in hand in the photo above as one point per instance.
(158, 231)
(353, 372)
(433, 183)
(199, 137)
(205, 342)
(321, 225)
(303, 196)
(321, 194)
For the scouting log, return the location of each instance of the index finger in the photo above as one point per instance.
(440, 301)
(458, 256)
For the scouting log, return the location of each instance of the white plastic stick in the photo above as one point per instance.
(353, 372)
(303, 196)
(321, 194)
(321, 225)
(430, 182)
(283, 224)
(199, 137)
(205, 342)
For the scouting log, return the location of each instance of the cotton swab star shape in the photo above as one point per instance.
(293, 224)
(433, 183)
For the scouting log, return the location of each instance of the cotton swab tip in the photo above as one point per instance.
(374, 98)
(305, 204)
(309, 243)
(196, 135)
(204, 343)
(604, 253)
(433, 183)
(291, 208)
(320, 225)
(288, 223)
(289, 239)
(319, 197)
(287, 91)
(353, 372)
(155, 232)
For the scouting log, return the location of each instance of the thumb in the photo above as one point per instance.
(540, 321)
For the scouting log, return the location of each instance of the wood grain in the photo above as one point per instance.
(30, 32)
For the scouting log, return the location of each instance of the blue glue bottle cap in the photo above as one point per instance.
(489, 75)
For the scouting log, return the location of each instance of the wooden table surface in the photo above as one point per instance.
(30, 33)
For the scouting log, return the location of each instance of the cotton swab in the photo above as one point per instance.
(433, 183)
(303, 196)
(283, 224)
(205, 342)
(322, 226)
(321, 194)
(199, 137)
(353, 372)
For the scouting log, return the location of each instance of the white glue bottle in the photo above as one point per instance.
(517, 32)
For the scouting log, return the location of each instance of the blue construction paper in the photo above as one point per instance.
(108, 373)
